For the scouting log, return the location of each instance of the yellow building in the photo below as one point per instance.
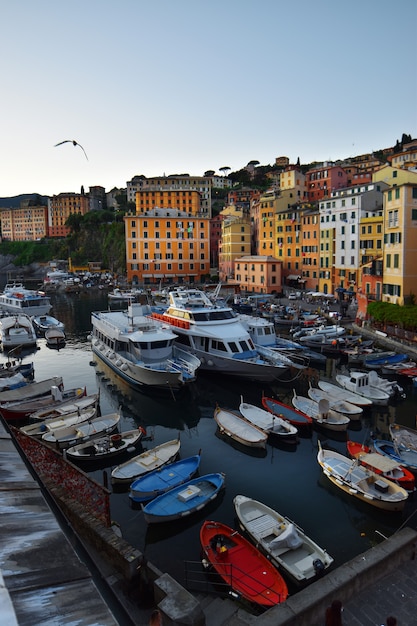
(235, 240)
(25, 223)
(400, 243)
(168, 246)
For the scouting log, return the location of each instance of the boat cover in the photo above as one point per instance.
(289, 538)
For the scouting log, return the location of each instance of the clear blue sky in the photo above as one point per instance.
(159, 87)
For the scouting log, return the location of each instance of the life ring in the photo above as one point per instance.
(116, 438)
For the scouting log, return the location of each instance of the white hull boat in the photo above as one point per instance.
(50, 425)
(214, 334)
(140, 351)
(321, 413)
(146, 462)
(17, 300)
(353, 411)
(339, 393)
(274, 426)
(234, 426)
(16, 330)
(69, 436)
(282, 541)
(358, 382)
(360, 482)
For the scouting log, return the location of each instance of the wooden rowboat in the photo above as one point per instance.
(287, 412)
(360, 482)
(234, 426)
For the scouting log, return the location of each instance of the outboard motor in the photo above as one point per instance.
(318, 567)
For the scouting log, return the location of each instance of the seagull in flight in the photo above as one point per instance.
(74, 143)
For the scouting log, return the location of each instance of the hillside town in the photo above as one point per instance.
(347, 228)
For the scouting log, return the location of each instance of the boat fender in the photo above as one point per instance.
(210, 362)
(142, 430)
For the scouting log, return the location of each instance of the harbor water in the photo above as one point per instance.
(287, 478)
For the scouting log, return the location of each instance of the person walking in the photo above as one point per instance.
(334, 614)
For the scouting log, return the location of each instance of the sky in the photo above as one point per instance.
(159, 87)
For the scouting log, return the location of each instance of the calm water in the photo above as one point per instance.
(287, 478)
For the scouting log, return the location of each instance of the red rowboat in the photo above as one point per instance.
(286, 412)
(382, 465)
(246, 570)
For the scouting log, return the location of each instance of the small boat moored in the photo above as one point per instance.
(163, 479)
(360, 482)
(282, 541)
(271, 424)
(381, 464)
(233, 425)
(185, 499)
(106, 447)
(146, 462)
(244, 569)
(287, 412)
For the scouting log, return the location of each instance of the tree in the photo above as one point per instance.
(209, 173)
(73, 222)
(225, 169)
(254, 162)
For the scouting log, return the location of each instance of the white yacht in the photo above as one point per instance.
(140, 351)
(16, 299)
(213, 333)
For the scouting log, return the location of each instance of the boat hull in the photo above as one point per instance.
(163, 479)
(184, 500)
(104, 448)
(284, 543)
(232, 425)
(361, 483)
(146, 462)
(295, 417)
(242, 566)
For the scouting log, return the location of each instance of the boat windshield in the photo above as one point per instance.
(211, 315)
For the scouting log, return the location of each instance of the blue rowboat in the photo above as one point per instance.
(185, 499)
(404, 456)
(163, 479)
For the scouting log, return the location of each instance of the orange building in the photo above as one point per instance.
(182, 200)
(321, 181)
(167, 245)
(60, 207)
(258, 274)
(25, 223)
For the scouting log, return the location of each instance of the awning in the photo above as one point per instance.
(293, 277)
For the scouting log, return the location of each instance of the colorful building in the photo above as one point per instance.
(258, 274)
(25, 223)
(60, 207)
(400, 243)
(167, 245)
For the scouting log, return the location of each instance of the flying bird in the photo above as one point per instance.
(74, 143)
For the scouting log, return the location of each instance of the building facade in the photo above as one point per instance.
(168, 246)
